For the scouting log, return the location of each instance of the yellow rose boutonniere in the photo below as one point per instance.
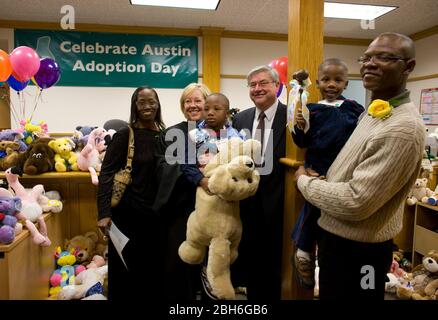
(380, 109)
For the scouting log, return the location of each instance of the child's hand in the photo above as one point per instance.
(204, 185)
(301, 123)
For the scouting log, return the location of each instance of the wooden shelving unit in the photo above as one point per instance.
(25, 267)
(425, 231)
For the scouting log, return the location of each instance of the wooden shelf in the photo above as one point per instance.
(433, 208)
(22, 236)
(425, 234)
(54, 175)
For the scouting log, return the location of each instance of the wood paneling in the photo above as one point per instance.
(211, 57)
(5, 114)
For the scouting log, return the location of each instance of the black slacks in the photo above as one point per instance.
(351, 269)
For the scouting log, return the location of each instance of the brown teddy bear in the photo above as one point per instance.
(215, 223)
(85, 246)
(423, 284)
(39, 157)
(13, 157)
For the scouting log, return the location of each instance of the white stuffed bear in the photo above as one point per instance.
(216, 224)
(419, 192)
(88, 285)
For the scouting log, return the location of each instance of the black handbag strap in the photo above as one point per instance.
(130, 155)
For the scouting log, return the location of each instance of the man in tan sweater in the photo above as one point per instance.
(362, 199)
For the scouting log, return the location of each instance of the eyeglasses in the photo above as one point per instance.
(380, 58)
(262, 84)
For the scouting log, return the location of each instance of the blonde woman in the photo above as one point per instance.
(182, 280)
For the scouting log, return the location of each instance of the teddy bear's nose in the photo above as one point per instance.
(249, 164)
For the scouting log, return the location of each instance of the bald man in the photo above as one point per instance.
(362, 199)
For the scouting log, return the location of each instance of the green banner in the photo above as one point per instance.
(90, 59)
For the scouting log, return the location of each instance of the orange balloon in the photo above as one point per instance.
(5, 66)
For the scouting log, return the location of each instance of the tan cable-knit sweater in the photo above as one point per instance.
(367, 185)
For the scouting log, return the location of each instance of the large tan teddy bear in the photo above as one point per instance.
(215, 223)
(65, 158)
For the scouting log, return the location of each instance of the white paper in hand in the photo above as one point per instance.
(119, 240)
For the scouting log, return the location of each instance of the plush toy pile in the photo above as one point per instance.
(88, 282)
(422, 283)
(215, 223)
(31, 149)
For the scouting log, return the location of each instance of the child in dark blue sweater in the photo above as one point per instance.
(332, 121)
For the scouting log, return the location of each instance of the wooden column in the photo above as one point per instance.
(5, 113)
(211, 57)
(305, 50)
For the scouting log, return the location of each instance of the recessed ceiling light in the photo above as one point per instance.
(191, 4)
(354, 11)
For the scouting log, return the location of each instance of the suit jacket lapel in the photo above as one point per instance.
(279, 124)
(249, 121)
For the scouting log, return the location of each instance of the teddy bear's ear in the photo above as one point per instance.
(66, 243)
(70, 142)
(50, 153)
(208, 170)
(92, 235)
(29, 149)
(217, 182)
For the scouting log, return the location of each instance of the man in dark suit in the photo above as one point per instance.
(260, 253)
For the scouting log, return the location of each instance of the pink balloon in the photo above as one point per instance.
(25, 62)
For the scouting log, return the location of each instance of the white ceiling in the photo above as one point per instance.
(234, 15)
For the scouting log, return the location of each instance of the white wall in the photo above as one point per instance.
(426, 55)
(348, 54)
(427, 64)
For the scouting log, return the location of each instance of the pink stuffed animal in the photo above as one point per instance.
(88, 159)
(30, 211)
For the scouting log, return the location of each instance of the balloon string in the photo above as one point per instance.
(24, 105)
(20, 105)
(38, 96)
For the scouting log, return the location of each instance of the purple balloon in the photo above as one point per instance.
(48, 74)
(15, 84)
